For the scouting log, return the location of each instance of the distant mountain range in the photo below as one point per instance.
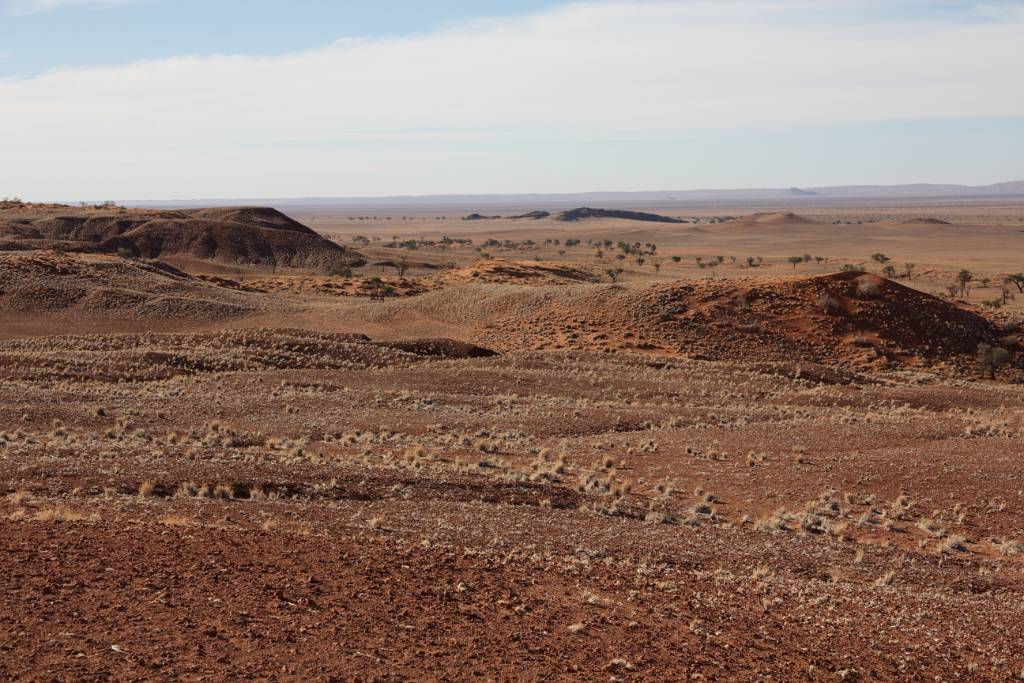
(913, 191)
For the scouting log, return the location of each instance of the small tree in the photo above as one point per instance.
(889, 271)
(795, 260)
(377, 288)
(401, 266)
(1017, 279)
(908, 270)
(879, 258)
(677, 259)
(613, 274)
(963, 278)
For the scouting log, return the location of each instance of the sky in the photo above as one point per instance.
(176, 99)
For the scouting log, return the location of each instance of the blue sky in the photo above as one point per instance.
(35, 37)
(134, 99)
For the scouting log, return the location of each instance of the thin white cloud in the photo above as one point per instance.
(588, 71)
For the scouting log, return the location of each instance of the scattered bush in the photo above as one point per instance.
(338, 270)
(990, 358)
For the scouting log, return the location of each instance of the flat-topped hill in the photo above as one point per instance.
(257, 235)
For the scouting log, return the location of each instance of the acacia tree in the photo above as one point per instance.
(613, 274)
(963, 278)
(795, 260)
(1017, 279)
(401, 266)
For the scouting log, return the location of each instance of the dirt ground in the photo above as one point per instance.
(509, 467)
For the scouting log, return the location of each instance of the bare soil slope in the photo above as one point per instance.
(47, 282)
(850, 318)
(775, 218)
(153, 357)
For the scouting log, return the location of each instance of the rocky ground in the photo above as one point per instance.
(282, 504)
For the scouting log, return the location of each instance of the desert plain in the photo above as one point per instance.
(752, 442)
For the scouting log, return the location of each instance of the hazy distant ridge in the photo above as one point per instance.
(922, 190)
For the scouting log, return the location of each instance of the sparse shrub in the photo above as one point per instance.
(338, 270)
(990, 358)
